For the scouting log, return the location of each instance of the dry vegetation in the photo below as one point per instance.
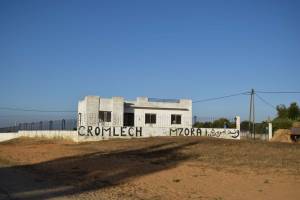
(161, 168)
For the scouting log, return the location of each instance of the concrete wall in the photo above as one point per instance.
(163, 111)
(81, 109)
(51, 134)
(90, 106)
(163, 118)
(68, 135)
(94, 133)
(103, 133)
(8, 136)
(117, 111)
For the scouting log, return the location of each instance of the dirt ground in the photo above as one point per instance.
(153, 168)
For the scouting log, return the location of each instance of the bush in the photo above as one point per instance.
(203, 125)
(261, 128)
(282, 123)
(244, 125)
(219, 123)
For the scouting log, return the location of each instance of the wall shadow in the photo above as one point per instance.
(94, 171)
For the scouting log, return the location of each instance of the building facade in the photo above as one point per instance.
(143, 112)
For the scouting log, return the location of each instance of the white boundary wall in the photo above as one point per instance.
(8, 136)
(93, 133)
(68, 135)
(51, 134)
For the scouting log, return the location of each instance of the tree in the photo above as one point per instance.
(220, 123)
(245, 125)
(203, 125)
(293, 111)
(282, 123)
(282, 111)
(207, 125)
(198, 124)
(260, 128)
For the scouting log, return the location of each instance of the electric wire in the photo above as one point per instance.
(196, 101)
(222, 97)
(278, 92)
(36, 110)
(266, 102)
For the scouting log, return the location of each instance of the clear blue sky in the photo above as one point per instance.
(53, 53)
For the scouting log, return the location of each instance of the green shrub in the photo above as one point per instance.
(219, 123)
(282, 123)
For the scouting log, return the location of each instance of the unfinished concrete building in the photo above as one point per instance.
(143, 112)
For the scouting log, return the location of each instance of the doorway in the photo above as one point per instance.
(128, 119)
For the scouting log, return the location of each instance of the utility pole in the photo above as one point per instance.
(252, 114)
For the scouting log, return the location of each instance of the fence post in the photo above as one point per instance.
(195, 120)
(50, 125)
(270, 131)
(238, 123)
(63, 124)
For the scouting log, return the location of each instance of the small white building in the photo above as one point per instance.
(144, 112)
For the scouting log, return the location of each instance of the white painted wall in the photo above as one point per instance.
(51, 134)
(238, 123)
(270, 130)
(128, 132)
(60, 134)
(131, 132)
(7, 136)
(163, 118)
(117, 111)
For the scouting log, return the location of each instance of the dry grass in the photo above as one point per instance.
(282, 135)
(296, 124)
(209, 151)
(23, 141)
(156, 167)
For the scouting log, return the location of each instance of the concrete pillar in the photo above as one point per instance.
(92, 110)
(270, 131)
(142, 101)
(238, 123)
(117, 111)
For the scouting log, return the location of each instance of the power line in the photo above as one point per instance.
(71, 111)
(222, 97)
(266, 102)
(278, 92)
(36, 110)
(197, 101)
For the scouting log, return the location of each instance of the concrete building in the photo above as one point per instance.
(144, 112)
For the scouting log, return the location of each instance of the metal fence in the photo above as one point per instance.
(64, 124)
(71, 124)
(214, 122)
(257, 136)
(211, 119)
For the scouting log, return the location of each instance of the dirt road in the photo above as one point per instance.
(153, 168)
